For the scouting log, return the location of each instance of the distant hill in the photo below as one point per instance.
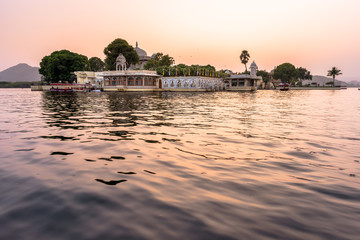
(321, 81)
(20, 73)
(354, 83)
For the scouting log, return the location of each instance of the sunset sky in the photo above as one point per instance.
(315, 34)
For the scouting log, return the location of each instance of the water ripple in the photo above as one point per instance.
(215, 165)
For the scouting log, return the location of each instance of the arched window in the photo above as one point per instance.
(138, 81)
(130, 81)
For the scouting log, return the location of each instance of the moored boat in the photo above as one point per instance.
(68, 87)
(61, 90)
(284, 87)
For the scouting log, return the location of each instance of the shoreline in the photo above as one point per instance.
(308, 88)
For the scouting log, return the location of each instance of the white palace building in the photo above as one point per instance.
(124, 79)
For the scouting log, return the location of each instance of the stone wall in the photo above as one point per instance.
(192, 83)
(40, 88)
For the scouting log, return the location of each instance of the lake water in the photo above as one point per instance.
(219, 165)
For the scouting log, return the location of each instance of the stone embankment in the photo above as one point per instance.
(40, 88)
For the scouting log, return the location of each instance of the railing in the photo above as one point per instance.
(130, 72)
(68, 84)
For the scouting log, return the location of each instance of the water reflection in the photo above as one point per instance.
(111, 182)
(281, 165)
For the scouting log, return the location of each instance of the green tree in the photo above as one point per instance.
(244, 58)
(167, 61)
(158, 61)
(96, 64)
(264, 74)
(334, 72)
(60, 65)
(286, 72)
(308, 75)
(116, 47)
(303, 73)
(193, 70)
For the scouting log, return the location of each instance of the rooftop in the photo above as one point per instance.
(131, 72)
(243, 76)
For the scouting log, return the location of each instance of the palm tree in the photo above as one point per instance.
(244, 58)
(334, 72)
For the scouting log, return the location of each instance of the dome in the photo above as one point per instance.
(120, 58)
(253, 65)
(140, 52)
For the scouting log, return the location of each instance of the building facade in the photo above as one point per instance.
(136, 80)
(244, 82)
(94, 79)
(192, 83)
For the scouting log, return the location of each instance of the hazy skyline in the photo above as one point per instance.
(315, 34)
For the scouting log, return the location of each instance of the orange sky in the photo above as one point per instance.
(315, 34)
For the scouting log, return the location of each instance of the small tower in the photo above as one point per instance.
(253, 69)
(121, 63)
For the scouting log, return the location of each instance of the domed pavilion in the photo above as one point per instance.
(143, 58)
(244, 82)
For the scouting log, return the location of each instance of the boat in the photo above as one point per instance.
(343, 87)
(68, 87)
(61, 90)
(284, 87)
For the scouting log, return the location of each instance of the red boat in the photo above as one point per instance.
(284, 87)
(61, 89)
(69, 87)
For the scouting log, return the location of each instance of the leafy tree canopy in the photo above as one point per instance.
(159, 60)
(60, 65)
(96, 64)
(244, 58)
(193, 70)
(303, 73)
(116, 47)
(264, 74)
(334, 72)
(286, 72)
(17, 84)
